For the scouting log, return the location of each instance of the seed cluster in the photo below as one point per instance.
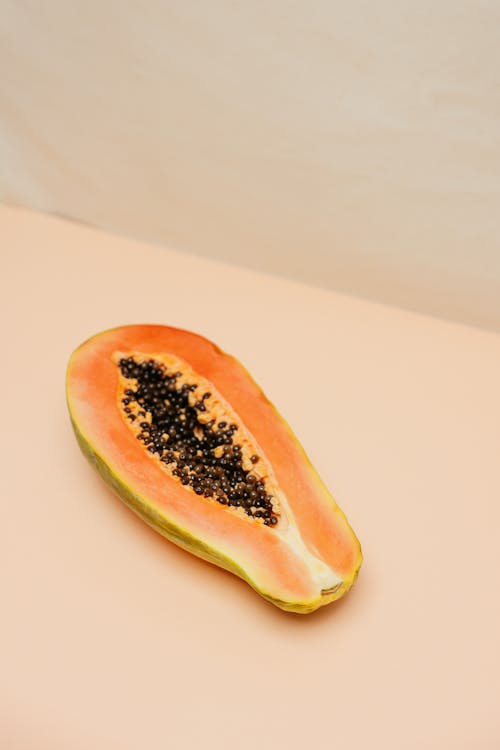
(201, 454)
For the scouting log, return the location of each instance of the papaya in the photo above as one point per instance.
(186, 438)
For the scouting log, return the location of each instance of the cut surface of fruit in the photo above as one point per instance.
(187, 439)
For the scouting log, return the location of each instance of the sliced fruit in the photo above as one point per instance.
(187, 439)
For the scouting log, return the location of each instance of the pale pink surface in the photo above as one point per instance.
(113, 638)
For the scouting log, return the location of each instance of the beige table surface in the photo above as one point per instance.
(113, 639)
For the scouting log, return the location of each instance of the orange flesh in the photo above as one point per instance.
(93, 379)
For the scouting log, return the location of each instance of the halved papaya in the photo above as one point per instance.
(187, 439)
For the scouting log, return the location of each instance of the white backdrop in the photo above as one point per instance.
(351, 145)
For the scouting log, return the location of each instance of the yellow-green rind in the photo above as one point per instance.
(182, 538)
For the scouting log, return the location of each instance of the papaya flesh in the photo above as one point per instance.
(182, 433)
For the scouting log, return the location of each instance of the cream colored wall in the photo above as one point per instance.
(351, 145)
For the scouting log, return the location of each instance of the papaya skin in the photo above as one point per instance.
(157, 515)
